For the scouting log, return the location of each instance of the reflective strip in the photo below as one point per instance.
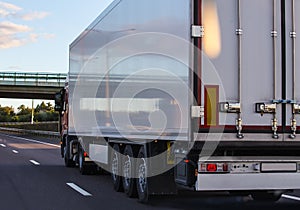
(211, 105)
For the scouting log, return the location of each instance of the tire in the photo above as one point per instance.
(68, 162)
(266, 196)
(128, 165)
(142, 180)
(82, 165)
(116, 169)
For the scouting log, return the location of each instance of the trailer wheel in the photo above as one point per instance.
(266, 196)
(129, 180)
(83, 167)
(142, 180)
(68, 162)
(116, 168)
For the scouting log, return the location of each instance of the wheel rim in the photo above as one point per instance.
(142, 180)
(115, 166)
(127, 171)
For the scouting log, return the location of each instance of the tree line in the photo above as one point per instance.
(43, 112)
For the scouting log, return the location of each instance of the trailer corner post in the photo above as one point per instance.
(239, 33)
(274, 34)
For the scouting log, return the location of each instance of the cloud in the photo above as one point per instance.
(3, 13)
(34, 15)
(9, 6)
(10, 42)
(48, 36)
(15, 35)
(8, 10)
(9, 28)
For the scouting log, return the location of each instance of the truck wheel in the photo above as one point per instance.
(68, 162)
(142, 180)
(83, 168)
(266, 196)
(116, 168)
(129, 181)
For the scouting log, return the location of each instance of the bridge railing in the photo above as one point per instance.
(32, 79)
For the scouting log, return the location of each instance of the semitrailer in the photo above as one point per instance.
(200, 94)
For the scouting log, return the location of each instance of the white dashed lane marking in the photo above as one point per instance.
(35, 162)
(291, 197)
(78, 189)
(15, 151)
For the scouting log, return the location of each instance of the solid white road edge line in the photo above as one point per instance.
(3, 145)
(31, 140)
(35, 162)
(291, 197)
(78, 189)
(15, 151)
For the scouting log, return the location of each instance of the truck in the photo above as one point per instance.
(194, 94)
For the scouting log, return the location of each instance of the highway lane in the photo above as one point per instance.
(33, 176)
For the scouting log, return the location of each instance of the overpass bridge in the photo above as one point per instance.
(30, 85)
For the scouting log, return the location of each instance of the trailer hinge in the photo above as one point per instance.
(229, 107)
(274, 33)
(293, 35)
(239, 31)
(197, 31)
(197, 111)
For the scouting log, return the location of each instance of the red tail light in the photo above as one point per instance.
(211, 167)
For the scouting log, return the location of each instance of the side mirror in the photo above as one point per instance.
(59, 101)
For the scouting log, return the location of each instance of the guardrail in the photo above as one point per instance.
(32, 79)
(27, 123)
(33, 132)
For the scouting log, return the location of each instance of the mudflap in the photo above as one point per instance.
(161, 169)
(162, 184)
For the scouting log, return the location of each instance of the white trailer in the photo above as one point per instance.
(195, 93)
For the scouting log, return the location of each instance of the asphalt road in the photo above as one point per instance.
(33, 177)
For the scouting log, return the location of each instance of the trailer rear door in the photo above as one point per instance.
(256, 61)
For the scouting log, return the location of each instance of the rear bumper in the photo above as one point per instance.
(254, 181)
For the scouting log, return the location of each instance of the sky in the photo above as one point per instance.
(35, 35)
